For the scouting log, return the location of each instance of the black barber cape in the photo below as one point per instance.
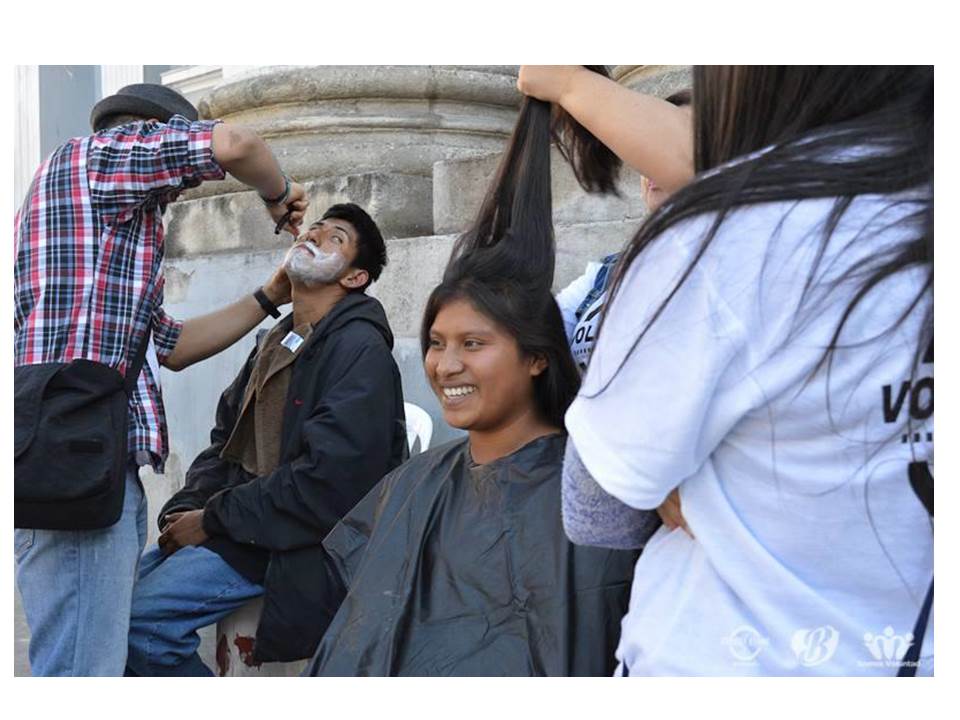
(460, 569)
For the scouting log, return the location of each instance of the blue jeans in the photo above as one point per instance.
(174, 597)
(76, 587)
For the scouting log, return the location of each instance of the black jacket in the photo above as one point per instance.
(343, 430)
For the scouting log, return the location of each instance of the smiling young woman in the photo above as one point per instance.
(484, 381)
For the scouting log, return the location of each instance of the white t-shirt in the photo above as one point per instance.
(812, 555)
(570, 298)
(585, 332)
(582, 331)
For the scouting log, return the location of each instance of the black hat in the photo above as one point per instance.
(143, 100)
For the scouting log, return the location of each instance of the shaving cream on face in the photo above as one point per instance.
(306, 263)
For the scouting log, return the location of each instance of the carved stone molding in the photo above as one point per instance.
(344, 120)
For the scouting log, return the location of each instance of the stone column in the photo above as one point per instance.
(659, 80)
(370, 134)
(335, 121)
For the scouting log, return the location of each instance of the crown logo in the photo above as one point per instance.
(888, 645)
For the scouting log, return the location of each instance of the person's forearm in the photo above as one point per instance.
(649, 134)
(204, 336)
(591, 516)
(248, 158)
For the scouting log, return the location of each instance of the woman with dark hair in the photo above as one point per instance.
(651, 135)
(767, 348)
(457, 563)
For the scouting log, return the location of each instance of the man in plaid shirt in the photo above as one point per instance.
(88, 283)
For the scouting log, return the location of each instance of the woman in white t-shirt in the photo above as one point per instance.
(656, 140)
(767, 350)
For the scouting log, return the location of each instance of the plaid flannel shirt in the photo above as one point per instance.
(88, 278)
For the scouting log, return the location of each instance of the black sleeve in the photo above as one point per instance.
(344, 551)
(347, 542)
(346, 445)
(208, 474)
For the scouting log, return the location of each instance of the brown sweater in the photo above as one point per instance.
(255, 441)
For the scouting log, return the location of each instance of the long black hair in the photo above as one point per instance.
(503, 264)
(806, 120)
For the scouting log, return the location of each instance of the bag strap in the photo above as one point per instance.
(133, 369)
(921, 480)
(908, 666)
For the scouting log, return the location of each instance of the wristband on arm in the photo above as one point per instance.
(282, 197)
(268, 307)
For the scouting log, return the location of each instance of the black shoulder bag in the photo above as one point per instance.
(70, 443)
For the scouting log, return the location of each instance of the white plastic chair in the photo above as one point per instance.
(419, 425)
